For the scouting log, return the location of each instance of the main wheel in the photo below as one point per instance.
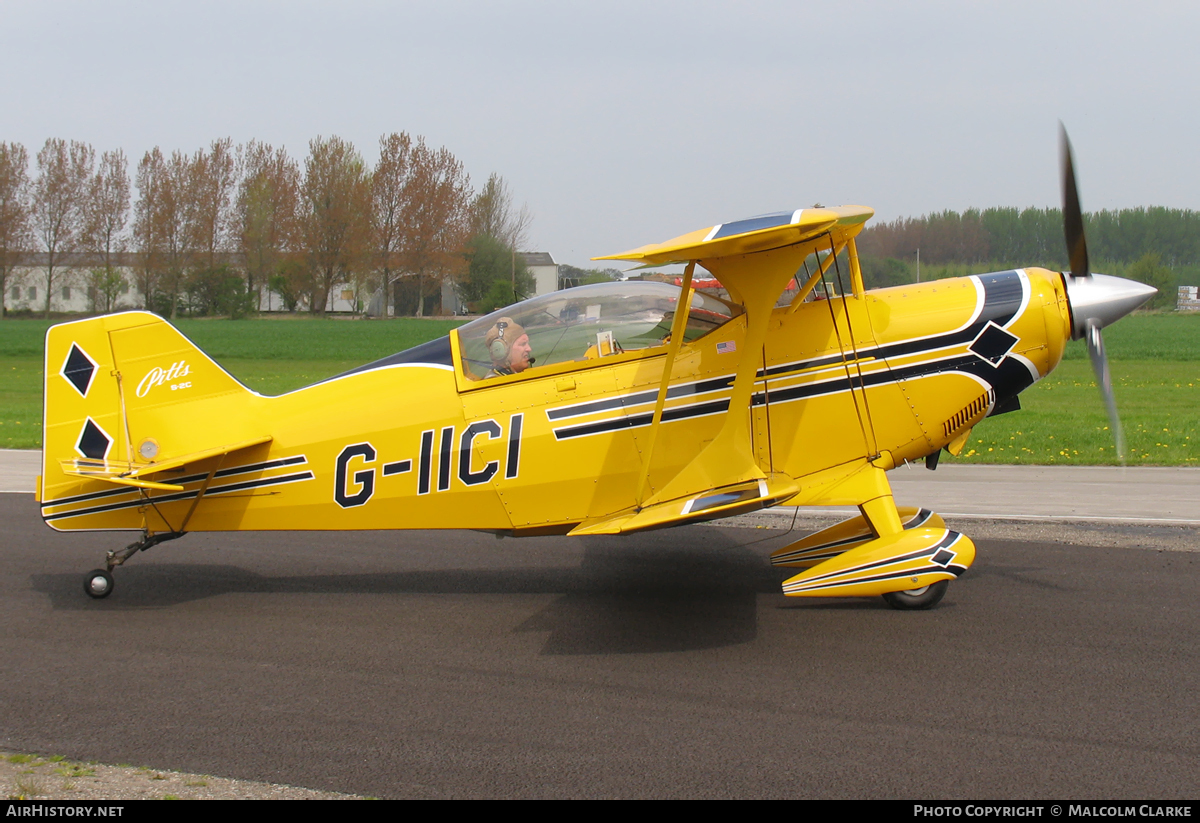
(925, 597)
(98, 584)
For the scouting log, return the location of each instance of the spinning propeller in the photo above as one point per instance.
(1096, 300)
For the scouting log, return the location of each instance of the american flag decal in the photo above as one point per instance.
(726, 347)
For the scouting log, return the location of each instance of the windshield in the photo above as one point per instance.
(582, 324)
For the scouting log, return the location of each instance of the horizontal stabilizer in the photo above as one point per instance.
(196, 456)
(126, 474)
(117, 473)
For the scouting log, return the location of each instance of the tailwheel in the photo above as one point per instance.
(925, 597)
(98, 584)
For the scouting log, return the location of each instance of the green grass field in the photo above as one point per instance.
(1155, 362)
(271, 356)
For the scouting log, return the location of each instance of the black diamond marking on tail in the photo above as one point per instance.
(79, 369)
(993, 343)
(93, 442)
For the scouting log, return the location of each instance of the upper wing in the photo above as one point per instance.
(754, 234)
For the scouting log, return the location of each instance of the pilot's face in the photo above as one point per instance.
(518, 357)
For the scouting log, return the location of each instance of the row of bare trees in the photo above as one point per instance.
(71, 205)
(211, 230)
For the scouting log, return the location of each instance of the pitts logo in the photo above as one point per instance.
(158, 376)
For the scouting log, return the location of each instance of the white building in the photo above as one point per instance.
(74, 293)
(1189, 299)
(544, 270)
(25, 288)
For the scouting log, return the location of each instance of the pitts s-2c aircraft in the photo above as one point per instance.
(647, 405)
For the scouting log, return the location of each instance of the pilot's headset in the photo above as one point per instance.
(500, 338)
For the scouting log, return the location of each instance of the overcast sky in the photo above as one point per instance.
(623, 123)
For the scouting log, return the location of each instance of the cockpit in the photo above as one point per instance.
(585, 323)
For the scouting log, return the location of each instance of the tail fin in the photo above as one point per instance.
(127, 396)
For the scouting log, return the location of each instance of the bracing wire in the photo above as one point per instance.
(862, 383)
(842, 350)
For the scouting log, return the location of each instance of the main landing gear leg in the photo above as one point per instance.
(883, 518)
(98, 583)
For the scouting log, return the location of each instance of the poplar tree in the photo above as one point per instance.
(266, 212)
(436, 218)
(336, 201)
(106, 211)
(16, 231)
(64, 172)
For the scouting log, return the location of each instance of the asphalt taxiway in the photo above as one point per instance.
(1148, 495)
(1064, 664)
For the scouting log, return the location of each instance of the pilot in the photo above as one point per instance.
(508, 346)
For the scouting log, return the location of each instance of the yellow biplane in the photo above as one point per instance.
(606, 409)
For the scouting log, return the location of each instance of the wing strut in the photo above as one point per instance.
(754, 261)
(678, 327)
(755, 280)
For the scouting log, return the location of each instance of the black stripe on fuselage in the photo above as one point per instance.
(1008, 377)
(640, 399)
(187, 495)
(1003, 293)
(635, 421)
(181, 481)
